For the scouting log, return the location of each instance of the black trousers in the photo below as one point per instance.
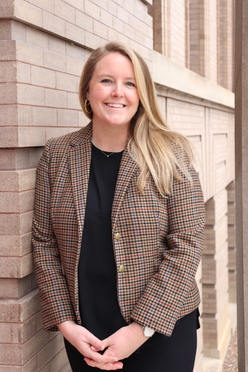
(161, 354)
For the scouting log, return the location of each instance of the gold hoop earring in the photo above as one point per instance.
(87, 104)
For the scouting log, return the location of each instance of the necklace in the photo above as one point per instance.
(108, 155)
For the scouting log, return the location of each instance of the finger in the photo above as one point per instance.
(99, 358)
(104, 366)
(95, 342)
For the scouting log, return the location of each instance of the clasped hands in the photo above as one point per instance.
(118, 346)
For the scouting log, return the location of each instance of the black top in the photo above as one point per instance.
(99, 309)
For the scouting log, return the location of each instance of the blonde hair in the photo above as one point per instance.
(160, 151)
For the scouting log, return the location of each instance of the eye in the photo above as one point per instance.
(130, 84)
(107, 81)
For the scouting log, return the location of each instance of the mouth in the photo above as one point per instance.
(115, 105)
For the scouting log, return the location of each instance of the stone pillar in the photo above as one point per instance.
(215, 316)
(241, 152)
(231, 242)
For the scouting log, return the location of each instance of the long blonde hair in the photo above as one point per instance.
(160, 151)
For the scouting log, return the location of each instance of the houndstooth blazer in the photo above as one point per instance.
(157, 241)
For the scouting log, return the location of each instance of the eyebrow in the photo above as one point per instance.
(108, 75)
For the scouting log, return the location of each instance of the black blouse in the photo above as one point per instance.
(99, 309)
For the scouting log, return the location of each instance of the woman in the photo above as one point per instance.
(118, 227)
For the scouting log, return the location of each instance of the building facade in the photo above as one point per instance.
(188, 45)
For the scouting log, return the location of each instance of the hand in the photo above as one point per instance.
(121, 345)
(85, 342)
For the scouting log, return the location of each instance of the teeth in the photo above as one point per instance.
(115, 105)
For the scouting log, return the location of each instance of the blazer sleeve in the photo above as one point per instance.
(55, 301)
(171, 287)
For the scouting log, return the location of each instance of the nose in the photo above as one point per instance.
(117, 90)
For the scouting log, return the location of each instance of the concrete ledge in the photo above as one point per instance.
(171, 75)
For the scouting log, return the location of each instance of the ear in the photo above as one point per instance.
(87, 94)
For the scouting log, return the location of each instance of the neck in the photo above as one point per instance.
(110, 140)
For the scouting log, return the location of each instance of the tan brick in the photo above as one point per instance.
(36, 37)
(9, 288)
(27, 179)
(48, 352)
(30, 305)
(26, 222)
(7, 72)
(65, 11)
(7, 9)
(43, 77)
(29, 328)
(31, 136)
(10, 333)
(56, 45)
(10, 311)
(106, 18)
(84, 21)
(8, 115)
(74, 33)
(68, 118)
(8, 93)
(113, 7)
(5, 28)
(29, 53)
(11, 354)
(9, 202)
(28, 13)
(82, 119)
(66, 82)
(24, 115)
(73, 101)
(53, 23)
(9, 181)
(8, 137)
(9, 245)
(31, 95)
(113, 35)
(48, 5)
(26, 201)
(55, 98)
(92, 9)
(60, 362)
(34, 156)
(18, 31)
(54, 61)
(10, 267)
(76, 4)
(23, 73)
(73, 66)
(118, 25)
(43, 116)
(7, 50)
(55, 132)
(34, 344)
(100, 29)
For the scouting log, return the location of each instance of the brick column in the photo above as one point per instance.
(215, 317)
(225, 43)
(203, 38)
(231, 242)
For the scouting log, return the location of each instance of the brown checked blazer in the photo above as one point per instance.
(157, 241)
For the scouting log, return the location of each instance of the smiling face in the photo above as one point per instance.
(112, 92)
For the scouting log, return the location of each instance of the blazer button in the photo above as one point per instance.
(117, 236)
(121, 269)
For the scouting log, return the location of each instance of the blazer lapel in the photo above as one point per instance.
(127, 167)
